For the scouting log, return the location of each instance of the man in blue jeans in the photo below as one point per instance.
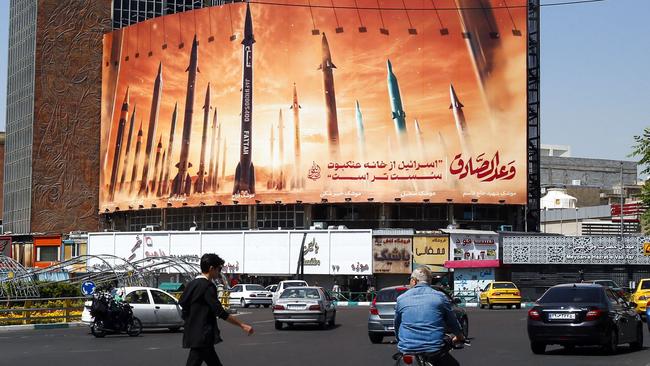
(422, 315)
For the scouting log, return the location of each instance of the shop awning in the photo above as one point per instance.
(491, 263)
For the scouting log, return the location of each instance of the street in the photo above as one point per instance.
(498, 337)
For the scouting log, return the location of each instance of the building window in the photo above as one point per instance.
(280, 216)
(47, 254)
(226, 218)
(183, 219)
(142, 218)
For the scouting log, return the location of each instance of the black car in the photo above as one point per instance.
(381, 320)
(583, 314)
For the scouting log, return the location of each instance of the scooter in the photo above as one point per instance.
(113, 317)
(422, 359)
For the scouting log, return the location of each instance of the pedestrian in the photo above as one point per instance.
(201, 308)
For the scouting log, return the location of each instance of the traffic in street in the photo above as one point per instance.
(497, 336)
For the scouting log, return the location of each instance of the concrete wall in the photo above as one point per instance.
(600, 173)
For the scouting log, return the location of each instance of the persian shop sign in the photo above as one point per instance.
(430, 250)
(474, 246)
(392, 254)
(284, 113)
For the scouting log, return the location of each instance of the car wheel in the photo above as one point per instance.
(638, 343)
(612, 342)
(278, 325)
(569, 347)
(266, 306)
(538, 348)
(332, 321)
(518, 306)
(464, 325)
(257, 306)
(375, 338)
(509, 306)
(174, 329)
(242, 303)
(490, 305)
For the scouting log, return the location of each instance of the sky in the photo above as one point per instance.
(595, 77)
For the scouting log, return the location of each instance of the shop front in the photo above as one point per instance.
(539, 262)
(432, 251)
(474, 260)
(392, 256)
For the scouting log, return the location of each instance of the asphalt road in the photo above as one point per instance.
(498, 338)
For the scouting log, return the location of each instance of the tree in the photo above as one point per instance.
(641, 149)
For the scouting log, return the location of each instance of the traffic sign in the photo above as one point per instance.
(88, 288)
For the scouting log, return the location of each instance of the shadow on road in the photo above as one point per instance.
(592, 351)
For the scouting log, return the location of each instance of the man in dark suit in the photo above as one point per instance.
(201, 307)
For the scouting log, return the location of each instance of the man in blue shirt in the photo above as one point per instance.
(422, 315)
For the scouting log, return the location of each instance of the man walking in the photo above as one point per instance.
(201, 307)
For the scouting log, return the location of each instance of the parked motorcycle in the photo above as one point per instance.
(112, 317)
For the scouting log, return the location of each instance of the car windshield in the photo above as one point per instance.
(503, 285)
(390, 295)
(300, 293)
(255, 288)
(645, 285)
(294, 284)
(572, 295)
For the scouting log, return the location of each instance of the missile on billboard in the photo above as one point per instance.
(361, 134)
(214, 143)
(418, 136)
(397, 110)
(223, 163)
(297, 181)
(245, 171)
(118, 146)
(199, 186)
(270, 184)
(151, 132)
(182, 184)
(156, 166)
(163, 162)
(170, 151)
(127, 150)
(281, 179)
(461, 126)
(327, 66)
(136, 159)
(480, 31)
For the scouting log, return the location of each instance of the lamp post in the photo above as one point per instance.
(577, 226)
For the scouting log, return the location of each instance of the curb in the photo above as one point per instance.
(9, 328)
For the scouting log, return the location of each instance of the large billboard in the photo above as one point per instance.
(273, 103)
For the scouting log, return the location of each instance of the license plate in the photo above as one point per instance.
(390, 328)
(561, 316)
(295, 307)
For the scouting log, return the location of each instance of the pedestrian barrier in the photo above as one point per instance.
(351, 296)
(41, 311)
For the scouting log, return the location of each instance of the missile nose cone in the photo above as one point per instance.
(126, 96)
(455, 103)
(389, 66)
(417, 128)
(248, 26)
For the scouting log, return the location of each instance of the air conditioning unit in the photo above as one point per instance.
(505, 228)
(576, 182)
(319, 225)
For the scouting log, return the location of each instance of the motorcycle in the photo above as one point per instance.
(426, 359)
(112, 317)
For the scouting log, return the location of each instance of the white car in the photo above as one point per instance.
(283, 285)
(154, 307)
(246, 295)
(271, 288)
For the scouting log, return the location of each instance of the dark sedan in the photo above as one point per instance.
(381, 320)
(583, 314)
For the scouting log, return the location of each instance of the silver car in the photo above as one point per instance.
(381, 320)
(304, 305)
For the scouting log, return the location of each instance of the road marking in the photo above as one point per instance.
(89, 350)
(152, 348)
(263, 321)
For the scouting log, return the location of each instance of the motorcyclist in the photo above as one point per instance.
(422, 317)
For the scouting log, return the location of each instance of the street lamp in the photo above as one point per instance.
(577, 227)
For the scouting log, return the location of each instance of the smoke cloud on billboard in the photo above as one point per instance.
(263, 103)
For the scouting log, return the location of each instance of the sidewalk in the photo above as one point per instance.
(7, 328)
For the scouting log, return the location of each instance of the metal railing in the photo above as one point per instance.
(353, 296)
(40, 311)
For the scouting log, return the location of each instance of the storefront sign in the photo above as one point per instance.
(392, 254)
(646, 249)
(473, 246)
(432, 250)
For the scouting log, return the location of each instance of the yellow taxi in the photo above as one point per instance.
(641, 296)
(500, 293)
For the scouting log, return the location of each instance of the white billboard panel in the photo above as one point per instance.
(229, 246)
(351, 253)
(186, 246)
(100, 244)
(267, 253)
(317, 252)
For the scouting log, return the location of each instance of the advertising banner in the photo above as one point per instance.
(351, 253)
(230, 104)
(474, 246)
(431, 250)
(317, 252)
(392, 254)
(229, 246)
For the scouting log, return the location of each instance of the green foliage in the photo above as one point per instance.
(58, 289)
(641, 149)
